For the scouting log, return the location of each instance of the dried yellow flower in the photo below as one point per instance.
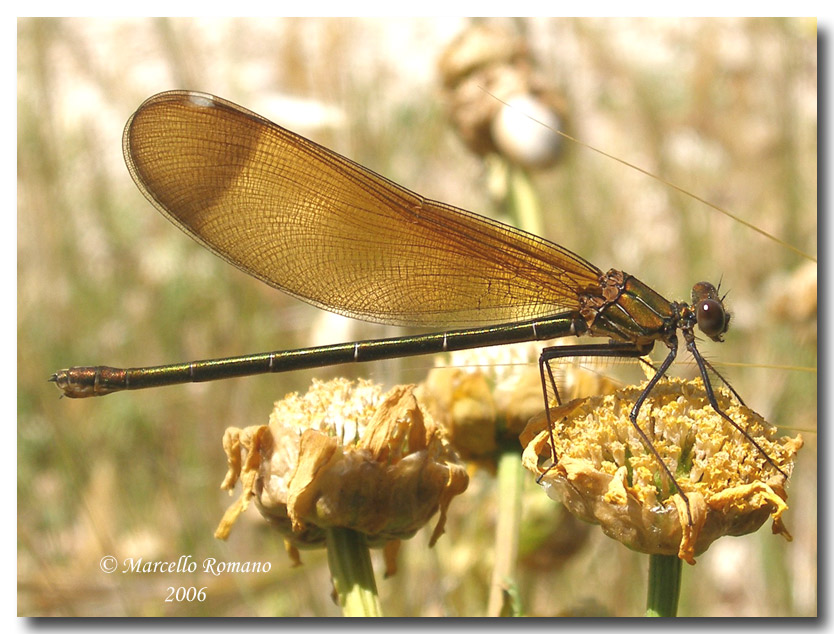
(344, 455)
(605, 474)
(484, 397)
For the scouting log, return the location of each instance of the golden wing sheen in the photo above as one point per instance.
(327, 230)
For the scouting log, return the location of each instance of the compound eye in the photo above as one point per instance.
(712, 319)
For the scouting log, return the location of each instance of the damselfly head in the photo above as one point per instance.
(713, 318)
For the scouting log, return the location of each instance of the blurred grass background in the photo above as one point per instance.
(724, 108)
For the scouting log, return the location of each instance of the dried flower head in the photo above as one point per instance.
(606, 475)
(487, 61)
(484, 397)
(344, 455)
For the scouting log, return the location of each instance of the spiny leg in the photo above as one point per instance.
(703, 364)
(545, 366)
(612, 349)
(672, 342)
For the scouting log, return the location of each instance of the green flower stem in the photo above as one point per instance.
(353, 575)
(664, 585)
(523, 200)
(508, 523)
(522, 203)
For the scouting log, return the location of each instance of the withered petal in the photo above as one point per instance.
(316, 450)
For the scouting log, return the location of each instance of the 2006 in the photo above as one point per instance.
(186, 594)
